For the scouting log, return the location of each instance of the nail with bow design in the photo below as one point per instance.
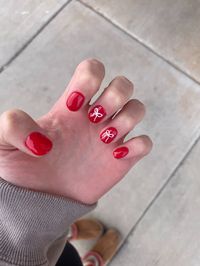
(108, 135)
(96, 114)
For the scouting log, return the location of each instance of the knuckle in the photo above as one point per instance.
(11, 118)
(145, 145)
(11, 115)
(87, 78)
(90, 71)
(92, 66)
(116, 98)
(129, 121)
(124, 82)
(140, 106)
(136, 109)
(122, 87)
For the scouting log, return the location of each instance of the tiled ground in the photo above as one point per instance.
(169, 28)
(156, 207)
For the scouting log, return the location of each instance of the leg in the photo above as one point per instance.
(69, 257)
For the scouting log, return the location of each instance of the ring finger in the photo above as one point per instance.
(130, 115)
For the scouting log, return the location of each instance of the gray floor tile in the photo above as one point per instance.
(169, 234)
(20, 20)
(170, 28)
(39, 75)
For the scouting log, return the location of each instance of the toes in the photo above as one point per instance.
(135, 148)
(129, 116)
(112, 99)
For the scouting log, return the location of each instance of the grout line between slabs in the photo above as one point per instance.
(119, 27)
(171, 175)
(26, 44)
(148, 48)
(151, 203)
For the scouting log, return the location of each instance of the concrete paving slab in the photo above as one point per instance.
(20, 21)
(39, 75)
(169, 234)
(170, 28)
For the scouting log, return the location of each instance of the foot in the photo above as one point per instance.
(76, 150)
(104, 249)
(85, 229)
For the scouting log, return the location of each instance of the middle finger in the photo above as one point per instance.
(112, 99)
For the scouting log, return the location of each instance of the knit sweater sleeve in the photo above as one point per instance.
(31, 222)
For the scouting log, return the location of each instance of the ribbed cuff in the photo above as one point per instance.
(31, 221)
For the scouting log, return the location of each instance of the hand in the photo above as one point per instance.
(76, 150)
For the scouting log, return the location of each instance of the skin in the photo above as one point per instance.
(79, 166)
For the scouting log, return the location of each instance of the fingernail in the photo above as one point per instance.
(75, 101)
(96, 114)
(108, 134)
(120, 152)
(38, 143)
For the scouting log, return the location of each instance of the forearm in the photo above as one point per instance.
(33, 223)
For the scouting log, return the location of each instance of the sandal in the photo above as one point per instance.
(85, 229)
(104, 250)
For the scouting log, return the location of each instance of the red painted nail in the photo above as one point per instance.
(96, 114)
(108, 134)
(75, 101)
(38, 143)
(120, 152)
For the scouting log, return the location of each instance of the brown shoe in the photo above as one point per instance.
(85, 229)
(104, 249)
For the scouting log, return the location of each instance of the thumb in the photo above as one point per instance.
(19, 130)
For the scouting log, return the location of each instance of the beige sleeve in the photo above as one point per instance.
(33, 225)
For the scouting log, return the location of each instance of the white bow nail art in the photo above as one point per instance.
(96, 113)
(107, 135)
